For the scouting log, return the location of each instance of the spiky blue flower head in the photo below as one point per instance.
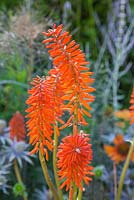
(17, 150)
(41, 194)
(4, 171)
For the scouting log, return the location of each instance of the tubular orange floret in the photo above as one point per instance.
(131, 108)
(74, 159)
(56, 85)
(17, 127)
(41, 115)
(71, 64)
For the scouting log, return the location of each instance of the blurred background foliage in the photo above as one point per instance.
(95, 25)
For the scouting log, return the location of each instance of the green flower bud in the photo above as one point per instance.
(98, 171)
(19, 189)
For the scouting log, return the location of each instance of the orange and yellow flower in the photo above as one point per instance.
(123, 114)
(131, 108)
(74, 159)
(119, 151)
(41, 115)
(17, 127)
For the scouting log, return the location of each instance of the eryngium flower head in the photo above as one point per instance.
(74, 156)
(41, 194)
(17, 150)
(119, 151)
(4, 136)
(4, 171)
(131, 108)
(17, 127)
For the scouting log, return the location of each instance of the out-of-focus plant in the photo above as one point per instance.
(4, 174)
(131, 149)
(4, 132)
(20, 54)
(19, 190)
(112, 61)
(121, 151)
(41, 194)
(98, 171)
(14, 150)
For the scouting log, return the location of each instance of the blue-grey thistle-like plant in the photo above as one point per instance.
(15, 150)
(118, 41)
(41, 194)
(4, 172)
(4, 132)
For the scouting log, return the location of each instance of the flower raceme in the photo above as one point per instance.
(131, 108)
(17, 127)
(119, 151)
(41, 116)
(74, 156)
(74, 74)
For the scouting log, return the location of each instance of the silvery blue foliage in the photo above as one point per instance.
(16, 150)
(118, 41)
(4, 132)
(4, 171)
(41, 194)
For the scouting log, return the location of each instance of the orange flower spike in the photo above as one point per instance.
(74, 156)
(119, 151)
(131, 108)
(71, 63)
(40, 114)
(17, 127)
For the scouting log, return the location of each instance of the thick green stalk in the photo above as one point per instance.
(122, 177)
(54, 164)
(75, 191)
(47, 177)
(18, 176)
(80, 195)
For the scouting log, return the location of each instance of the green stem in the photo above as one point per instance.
(18, 176)
(47, 177)
(75, 191)
(80, 194)
(122, 177)
(54, 163)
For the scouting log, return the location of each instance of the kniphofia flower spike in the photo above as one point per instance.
(17, 127)
(74, 159)
(74, 74)
(41, 116)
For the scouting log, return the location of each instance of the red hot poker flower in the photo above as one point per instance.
(131, 108)
(74, 156)
(76, 77)
(17, 127)
(41, 116)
